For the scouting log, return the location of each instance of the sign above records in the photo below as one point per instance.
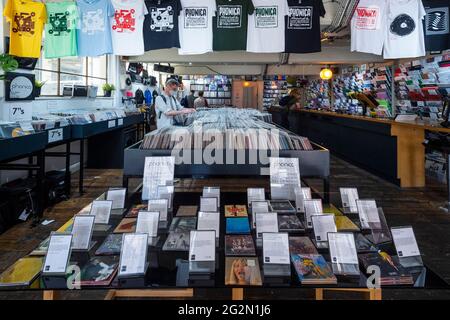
(19, 86)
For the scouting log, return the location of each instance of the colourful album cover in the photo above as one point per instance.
(99, 271)
(133, 212)
(312, 268)
(237, 226)
(187, 211)
(239, 245)
(236, 211)
(242, 271)
(391, 271)
(22, 273)
(127, 225)
(301, 245)
(111, 245)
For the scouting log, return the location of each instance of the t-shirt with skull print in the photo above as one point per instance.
(94, 27)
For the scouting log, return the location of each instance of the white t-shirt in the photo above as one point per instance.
(404, 32)
(127, 27)
(195, 24)
(369, 26)
(266, 26)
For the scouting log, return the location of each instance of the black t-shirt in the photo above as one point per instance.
(161, 24)
(437, 25)
(303, 26)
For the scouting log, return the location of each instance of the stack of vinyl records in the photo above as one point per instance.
(12, 130)
(227, 128)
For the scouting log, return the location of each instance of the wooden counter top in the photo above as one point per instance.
(419, 124)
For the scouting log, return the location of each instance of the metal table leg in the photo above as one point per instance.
(81, 173)
(67, 175)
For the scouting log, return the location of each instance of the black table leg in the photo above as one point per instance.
(326, 190)
(81, 177)
(39, 210)
(67, 175)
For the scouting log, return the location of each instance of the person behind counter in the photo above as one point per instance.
(287, 103)
(200, 102)
(167, 106)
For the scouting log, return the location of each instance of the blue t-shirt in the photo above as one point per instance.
(94, 28)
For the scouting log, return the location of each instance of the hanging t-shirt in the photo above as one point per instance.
(127, 27)
(303, 26)
(368, 26)
(266, 26)
(161, 24)
(230, 24)
(437, 25)
(94, 27)
(404, 34)
(196, 26)
(61, 30)
(26, 19)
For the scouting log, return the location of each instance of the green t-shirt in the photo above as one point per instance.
(230, 24)
(60, 30)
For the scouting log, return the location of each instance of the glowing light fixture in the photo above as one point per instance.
(326, 74)
(246, 84)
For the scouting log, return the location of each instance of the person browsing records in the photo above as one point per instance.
(167, 106)
(200, 102)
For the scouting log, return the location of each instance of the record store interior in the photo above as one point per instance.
(225, 149)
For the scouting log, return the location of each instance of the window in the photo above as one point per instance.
(58, 73)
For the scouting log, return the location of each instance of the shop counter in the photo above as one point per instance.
(390, 149)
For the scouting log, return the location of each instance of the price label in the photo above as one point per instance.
(120, 122)
(19, 112)
(55, 135)
(111, 124)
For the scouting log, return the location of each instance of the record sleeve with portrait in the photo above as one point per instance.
(242, 271)
(239, 245)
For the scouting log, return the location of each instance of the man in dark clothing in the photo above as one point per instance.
(190, 99)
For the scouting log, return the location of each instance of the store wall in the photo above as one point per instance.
(238, 93)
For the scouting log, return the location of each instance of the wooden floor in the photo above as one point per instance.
(416, 207)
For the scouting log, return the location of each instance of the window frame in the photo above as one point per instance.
(85, 75)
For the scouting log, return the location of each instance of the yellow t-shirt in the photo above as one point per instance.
(27, 19)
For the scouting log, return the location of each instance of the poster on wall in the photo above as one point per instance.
(19, 86)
